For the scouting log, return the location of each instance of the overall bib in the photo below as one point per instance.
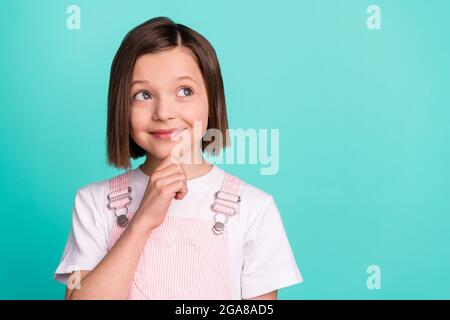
(184, 257)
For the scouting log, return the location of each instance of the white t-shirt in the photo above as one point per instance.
(261, 259)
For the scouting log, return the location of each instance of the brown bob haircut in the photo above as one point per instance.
(153, 36)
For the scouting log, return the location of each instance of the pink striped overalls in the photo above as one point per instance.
(184, 258)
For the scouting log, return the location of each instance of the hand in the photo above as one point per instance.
(167, 182)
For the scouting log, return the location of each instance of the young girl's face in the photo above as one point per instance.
(167, 92)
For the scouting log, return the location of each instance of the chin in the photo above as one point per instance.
(159, 151)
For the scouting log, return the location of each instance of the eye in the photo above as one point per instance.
(185, 92)
(142, 96)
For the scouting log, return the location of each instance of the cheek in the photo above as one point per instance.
(138, 119)
(197, 112)
(138, 126)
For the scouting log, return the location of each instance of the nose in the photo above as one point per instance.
(164, 110)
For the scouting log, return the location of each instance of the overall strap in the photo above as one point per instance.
(119, 197)
(226, 202)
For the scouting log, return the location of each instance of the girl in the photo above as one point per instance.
(173, 228)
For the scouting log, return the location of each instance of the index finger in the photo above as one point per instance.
(168, 161)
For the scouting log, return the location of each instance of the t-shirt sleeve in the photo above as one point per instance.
(87, 243)
(269, 263)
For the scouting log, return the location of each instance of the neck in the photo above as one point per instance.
(192, 170)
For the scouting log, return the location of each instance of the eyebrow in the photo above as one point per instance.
(138, 81)
(186, 78)
(178, 78)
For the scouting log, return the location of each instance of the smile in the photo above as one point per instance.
(166, 134)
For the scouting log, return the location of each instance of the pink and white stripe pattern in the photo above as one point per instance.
(119, 187)
(183, 258)
(227, 200)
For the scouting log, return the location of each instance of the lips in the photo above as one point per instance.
(166, 133)
(166, 130)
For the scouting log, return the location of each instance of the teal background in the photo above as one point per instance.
(364, 132)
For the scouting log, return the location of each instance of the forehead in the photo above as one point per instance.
(166, 66)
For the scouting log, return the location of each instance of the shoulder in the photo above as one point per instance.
(254, 202)
(94, 193)
(255, 197)
(102, 184)
(258, 214)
